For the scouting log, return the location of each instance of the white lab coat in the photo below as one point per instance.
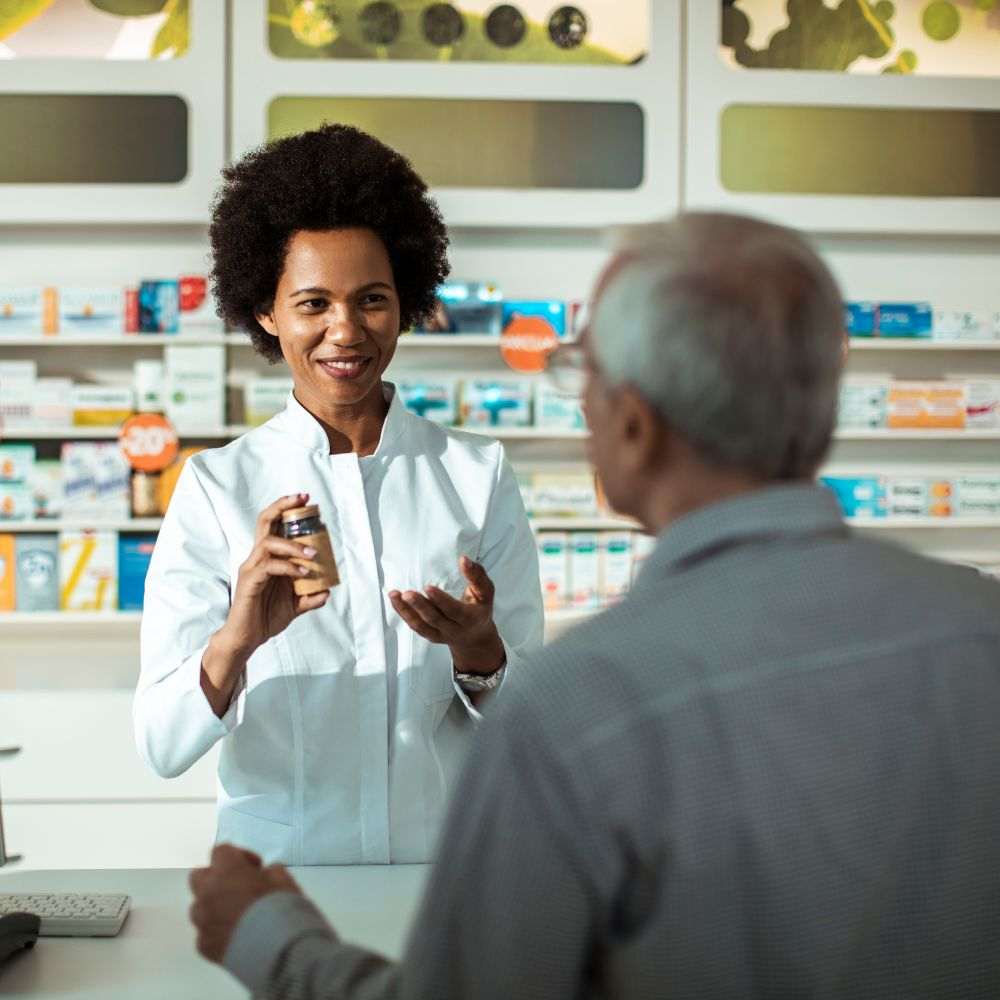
(347, 729)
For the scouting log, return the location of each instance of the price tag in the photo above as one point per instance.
(527, 342)
(149, 442)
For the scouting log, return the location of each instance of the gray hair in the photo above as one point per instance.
(732, 329)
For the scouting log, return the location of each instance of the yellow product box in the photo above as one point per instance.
(88, 570)
(102, 405)
(915, 404)
(7, 568)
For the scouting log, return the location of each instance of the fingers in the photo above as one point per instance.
(454, 610)
(480, 585)
(270, 514)
(272, 556)
(310, 602)
(229, 855)
(412, 617)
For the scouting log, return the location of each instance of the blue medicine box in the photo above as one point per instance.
(134, 553)
(905, 319)
(860, 496)
(554, 313)
(860, 318)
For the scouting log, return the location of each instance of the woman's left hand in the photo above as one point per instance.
(465, 625)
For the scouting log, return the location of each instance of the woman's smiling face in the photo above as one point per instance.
(336, 316)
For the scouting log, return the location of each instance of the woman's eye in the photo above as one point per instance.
(313, 303)
(372, 299)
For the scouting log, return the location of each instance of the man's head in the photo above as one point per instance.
(714, 352)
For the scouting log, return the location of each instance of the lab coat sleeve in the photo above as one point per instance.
(508, 554)
(187, 599)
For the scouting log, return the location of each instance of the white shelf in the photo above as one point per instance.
(924, 523)
(121, 339)
(583, 524)
(860, 434)
(217, 432)
(919, 344)
(117, 621)
(82, 524)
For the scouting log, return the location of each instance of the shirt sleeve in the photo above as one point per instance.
(187, 599)
(511, 910)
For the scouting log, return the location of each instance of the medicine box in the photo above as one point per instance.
(616, 565)
(113, 480)
(196, 386)
(47, 488)
(982, 404)
(553, 568)
(906, 496)
(977, 495)
(955, 325)
(466, 307)
(159, 307)
(102, 405)
(562, 494)
(860, 318)
(16, 502)
(932, 404)
(52, 402)
(496, 403)
(37, 578)
(905, 319)
(196, 306)
(584, 570)
(91, 311)
(263, 398)
(436, 399)
(17, 393)
(859, 496)
(17, 462)
(8, 572)
(556, 409)
(864, 403)
(134, 553)
(23, 310)
(79, 478)
(88, 571)
(550, 312)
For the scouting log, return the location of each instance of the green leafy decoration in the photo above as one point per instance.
(129, 8)
(536, 46)
(15, 14)
(941, 20)
(175, 34)
(816, 37)
(906, 62)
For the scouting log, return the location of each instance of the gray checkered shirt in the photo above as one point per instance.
(773, 771)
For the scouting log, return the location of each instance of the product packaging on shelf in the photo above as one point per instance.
(197, 306)
(927, 404)
(17, 462)
(159, 307)
(263, 398)
(102, 405)
(561, 494)
(26, 311)
(553, 568)
(47, 488)
(148, 379)
(96, 480)
(435, 399)
(977, 495)
(584, 570)
(196, 385)
(170, 475)
(466, 307)
(860, 318)
(37, 579)
(982, 404)
(52, 403)
(864, 404)
(502, 402)
(16, 502)
(134, 553)
(550, 313)
(88, 571)
(616, 565)
(642, 549)
(905, 319)
(92, 311)
(17, 393)
(954, 325)
(859, 496)
(556, 409)
(8, 572)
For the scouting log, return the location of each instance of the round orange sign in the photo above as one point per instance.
(527, 342)
(149, 442)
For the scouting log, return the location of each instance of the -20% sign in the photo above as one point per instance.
(149, 441)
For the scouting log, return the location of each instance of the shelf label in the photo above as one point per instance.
(149, 442)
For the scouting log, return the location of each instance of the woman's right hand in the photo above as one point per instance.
(264, 603)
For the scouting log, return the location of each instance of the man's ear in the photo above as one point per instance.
(266, 320)
(641, 431)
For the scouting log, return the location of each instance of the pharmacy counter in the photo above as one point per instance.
(154, 956)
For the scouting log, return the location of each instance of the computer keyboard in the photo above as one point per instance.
(71, 914)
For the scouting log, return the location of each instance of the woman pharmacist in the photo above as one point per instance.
(342, 715)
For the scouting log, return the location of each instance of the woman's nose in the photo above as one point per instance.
(342, 327)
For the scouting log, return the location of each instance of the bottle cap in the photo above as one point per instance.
(300, 513)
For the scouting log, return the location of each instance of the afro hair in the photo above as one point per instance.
(333, 177)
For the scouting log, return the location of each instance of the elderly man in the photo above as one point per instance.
(774, 770)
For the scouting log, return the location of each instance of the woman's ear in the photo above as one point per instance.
(266, 320)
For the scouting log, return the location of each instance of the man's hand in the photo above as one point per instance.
(465, 626)
(223, 892)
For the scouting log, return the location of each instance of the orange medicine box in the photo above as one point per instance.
(938, 404)
(7, 569)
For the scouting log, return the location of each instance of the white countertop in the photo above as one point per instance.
(153, 958)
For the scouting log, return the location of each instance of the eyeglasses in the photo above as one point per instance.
(567, 368)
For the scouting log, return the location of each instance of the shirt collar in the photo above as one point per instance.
(306, 429)
(783, 511)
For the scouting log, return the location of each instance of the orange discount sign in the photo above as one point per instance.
(149, 442)
(527, 342)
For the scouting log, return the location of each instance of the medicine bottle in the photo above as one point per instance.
(303, 524)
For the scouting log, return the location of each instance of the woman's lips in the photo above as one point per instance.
(345, 371)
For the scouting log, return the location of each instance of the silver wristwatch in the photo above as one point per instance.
(473, 683)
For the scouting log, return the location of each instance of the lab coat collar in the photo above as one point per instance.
(307, 430)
